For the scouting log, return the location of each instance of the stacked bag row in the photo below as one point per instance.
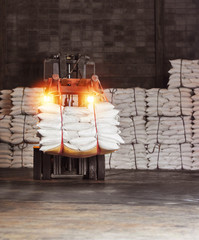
(132, 106)
(169, 102)
(5, 137)
(195, 129)
(25, 100)
(169, 122)
(5, 102)
(170, 156)
(23, 155)
(5, 133)
(184, 73)
(25, 103)
(159, 126)
(167, 130)
(130, 101)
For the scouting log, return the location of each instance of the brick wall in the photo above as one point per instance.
(2, 42)
(181, 24)
(118, 35)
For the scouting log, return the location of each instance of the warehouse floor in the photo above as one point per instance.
(128, 205)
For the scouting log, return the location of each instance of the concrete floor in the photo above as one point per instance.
(136, 205)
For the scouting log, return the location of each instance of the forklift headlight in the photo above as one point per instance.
(47, 98)
(90, 99)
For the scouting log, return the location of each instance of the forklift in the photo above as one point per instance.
(70, 74)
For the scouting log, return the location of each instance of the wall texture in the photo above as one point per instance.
(120, 36)
(181, 30)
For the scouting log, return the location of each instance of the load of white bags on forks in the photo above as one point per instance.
(79, 131)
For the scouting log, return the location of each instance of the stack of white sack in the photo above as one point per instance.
(195, 125)
(5, 102)
(169, 102)
(24, 129)
(195, 157)
(195, 128)
(184, 73)
(5, 155)
(169, 130)
(77, 129)
(133, 129)
(26, 100)
(129, 156)
(5, 138)
(195, 99)
(24, 123)
(175, 156)
(5, 133)
(23, 155)
(132, 105)
(130, 101)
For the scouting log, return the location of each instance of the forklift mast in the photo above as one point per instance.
(71, 72)
(68, 66)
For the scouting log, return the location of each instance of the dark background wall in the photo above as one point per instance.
(181, 30)
(131, 41)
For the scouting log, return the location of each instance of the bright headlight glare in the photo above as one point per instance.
(48, 98)
(90, 99)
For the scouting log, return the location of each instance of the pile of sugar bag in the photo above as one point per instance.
(26, 100)
(5, 138)
(167, 130)
(159, 126)
(169, 102)
(169, 124)
(184, 73)
(195, 129)
(24, 125)
(170, 156)
(130, 101)
(132, 105)
(5, 133)
(5, 102)
(79, 131)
